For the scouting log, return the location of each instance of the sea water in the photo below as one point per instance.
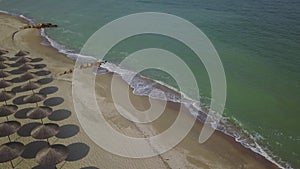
(258, 42)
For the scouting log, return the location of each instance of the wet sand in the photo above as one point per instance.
(220, 151)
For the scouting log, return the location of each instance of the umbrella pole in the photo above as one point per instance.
(29, 84)
(5, 100)
(9, 139)
(62, 165)
(6, 105)
(42, 121)
(11, 163)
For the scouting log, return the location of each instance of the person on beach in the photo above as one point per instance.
(98, 64)
(83, 66)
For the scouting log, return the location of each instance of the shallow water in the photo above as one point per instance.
(258, 42)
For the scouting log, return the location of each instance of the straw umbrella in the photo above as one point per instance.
(26, 67)
(7, 110)
(22, 53)
(3, 58)
(39, 113)
(45, 131)
(6, 95)
(28, 76)
(21, 69)
(2, 65)
(34, 98)
(10, 151)
(52, 155)
(4, 74)
(2, 52)
(9, 127)
(29, 86)
(23, 59)
(4, 84)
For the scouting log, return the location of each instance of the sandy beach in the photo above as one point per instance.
(219, 152)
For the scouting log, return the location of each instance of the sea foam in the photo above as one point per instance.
(143, 86)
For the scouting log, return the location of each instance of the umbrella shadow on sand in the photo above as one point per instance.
(17, 72)
(44, 81)
(67, 131)
(53, 101)
(48, 90)
(22, 114)
(39, 66)
(59, 115)
(43, 73)
(19, 100)
(34, 60)
(44, 167)
(77, 151)
(14, 64)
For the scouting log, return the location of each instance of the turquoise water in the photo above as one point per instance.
(258, 42)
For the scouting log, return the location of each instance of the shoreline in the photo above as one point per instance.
(227, 128)
(218, 135)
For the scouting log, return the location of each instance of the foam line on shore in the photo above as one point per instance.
(243, 137)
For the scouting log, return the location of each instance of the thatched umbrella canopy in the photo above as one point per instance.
(4, 74)
(27, 76)
(45, 131)
(2, 52)
(9, 127)
(26, 67)
(6, 95)
(34, 98)
(52, 155)
(2, 65)
(39, 112)
(4, 84)
(23, 59)
(3, 58)
(30, 86)
(10, 151)
(7, 110)
(22, 53)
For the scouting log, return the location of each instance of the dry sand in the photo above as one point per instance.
(220, 151)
